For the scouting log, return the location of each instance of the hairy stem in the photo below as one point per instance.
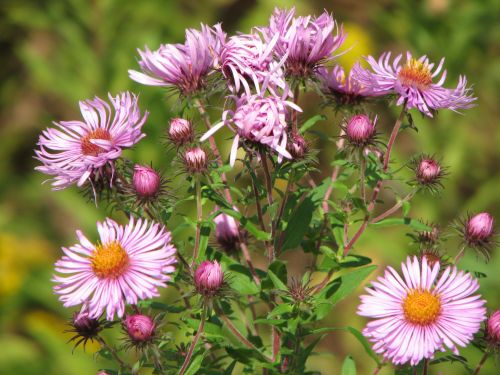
(113, 352)
(269, 187)
(393, 209)
(362, 169)
(199, 218)
(239, 336)
(373, 201)
(460, 254)
(481, 363)
(335, 173)
(195, 340)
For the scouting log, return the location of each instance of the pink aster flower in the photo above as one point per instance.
(414, 83)
(422, 312)
(306, 42)
(76, 150)
(258, 119)
(128, 264)
(345, 89)
(247, 62)
(183, 66)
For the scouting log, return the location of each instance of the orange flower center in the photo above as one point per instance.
(88, 148)
(421, 307)
(109, 260)
(415, 73)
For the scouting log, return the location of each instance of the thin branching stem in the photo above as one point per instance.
(199, 218)
(196, 338)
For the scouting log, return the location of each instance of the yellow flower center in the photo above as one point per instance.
(88, 148)
(415, 73)
(109, 260)
(421, 307)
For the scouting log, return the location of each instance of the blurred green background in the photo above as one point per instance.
(54, 53)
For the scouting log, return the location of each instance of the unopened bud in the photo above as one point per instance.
(227, 231)
(479, 228)
(146, 181)
(180, 131)
(297, 146)
(428, 171)
(208, 278)
(360, 130)
(140, 328)
(493, 327)
(195, 160)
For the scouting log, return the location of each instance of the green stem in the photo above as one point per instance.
(113, 352)
(195, 340)
(393, 209)
(199, 218)
(460, 254)
(481, 363)
(362, 169)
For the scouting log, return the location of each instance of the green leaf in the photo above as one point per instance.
(195, 365)
(348, 367)
(311, 122)
(276, 281)
(280, 309)
(415, 224)
(298, 224)
(358, 335)
(240, 279)
(350, 281)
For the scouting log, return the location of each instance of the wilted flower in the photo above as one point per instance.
(493, 327)
(360, 130)
(76, 151)
(208, 278)
(146, 181)
(180, 131)
(227, 232)
(422, 313)
(183, 66)
(140, 328)
(246, 60)
(257, 119)
(413, 83)
(129, 264)
(195, 160)
(345, 90)
(305, 42)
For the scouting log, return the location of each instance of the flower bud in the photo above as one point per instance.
(360, 130)
(208, 278)
(140, 328)
(297, 146)
(146, 181)
(479, 228)
(102, 372)
(195, 160)
(428, 171)
(84, 325)
(227, 232)
(180, 131)
(493, 327)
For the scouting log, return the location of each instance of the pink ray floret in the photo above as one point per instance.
(414, 83)
(74, 150)
(422, 312)
(128, 264)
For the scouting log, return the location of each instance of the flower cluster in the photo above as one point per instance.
(432, 306)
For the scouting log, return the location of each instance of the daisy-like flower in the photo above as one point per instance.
(414, 83)
(77, 150)
(305, 42)
(422, 312)
(128, 264)
(247, 62)
(344, 89)
(257, 119)
(182, 66)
